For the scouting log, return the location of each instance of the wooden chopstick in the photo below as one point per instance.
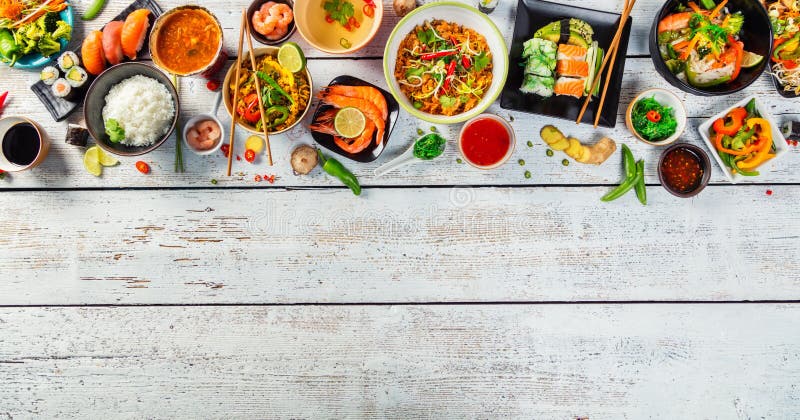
(258, 91)
(236, 91)
(623, 20)
(611, 52)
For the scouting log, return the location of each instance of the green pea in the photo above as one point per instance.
(549, 152)
(418, 105)
(530, 143)
(420, 132)
(434, 129)
(521, 162)
(214, 181)
(527, 174)
(565, 162)
(459, 160)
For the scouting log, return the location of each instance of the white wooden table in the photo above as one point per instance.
(442, 292)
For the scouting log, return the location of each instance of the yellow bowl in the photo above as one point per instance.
(327, 37)
(227, 96)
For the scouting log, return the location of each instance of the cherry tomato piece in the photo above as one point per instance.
(143, 167)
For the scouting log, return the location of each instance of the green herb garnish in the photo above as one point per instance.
(649, 130)
(481, 61)
(340, 10)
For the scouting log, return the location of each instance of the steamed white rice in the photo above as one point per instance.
(143, 107)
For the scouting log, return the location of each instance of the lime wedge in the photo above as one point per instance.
(254, 143)
(349, 122)
(751, 59)
(91, 161)
(291, 57)
(104, 158)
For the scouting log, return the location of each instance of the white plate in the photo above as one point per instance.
(781, 148)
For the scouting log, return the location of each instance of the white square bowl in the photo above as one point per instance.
(781, 148)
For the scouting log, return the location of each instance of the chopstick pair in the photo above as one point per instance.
(611, 56)
(245, 27)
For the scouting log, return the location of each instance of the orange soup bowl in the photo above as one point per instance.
(227, 93)
(328, 35)
(187, 41)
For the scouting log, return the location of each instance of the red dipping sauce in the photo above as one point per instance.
(681, 170)
(485, 142)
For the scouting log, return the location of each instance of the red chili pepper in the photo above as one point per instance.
(257, 178)
(250, 155)
(769, 192)
(329, 19)
(451, 68)
(212, 85)
(226, 149)
(143, 167)
(653, 116)
(465, 62)
(369, 10)
(3, 100)
(354, 23)
(238, 157)
(440, 54)
(453, 41)
(250, 111)
(271, 179)
(2, 174)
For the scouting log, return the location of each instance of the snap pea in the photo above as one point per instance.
(628, 161)
(334, 168)
(265, 77)
(93, 9)
(623, 188)
(641, 189)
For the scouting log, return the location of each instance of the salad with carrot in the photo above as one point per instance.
(31, 26)
(785, 18)
(700, 44)
(743, 139)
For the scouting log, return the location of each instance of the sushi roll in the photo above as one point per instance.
(539, 65)
(112, 42)
(76, 77)
(537, 85)
(62, 89)
(572, 68)
(49, 75)
(68, 60)
(539, 46)
(571, 52)
(568, 86)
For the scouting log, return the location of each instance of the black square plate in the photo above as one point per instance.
(61, 108)
(373, 150)
(534, 14)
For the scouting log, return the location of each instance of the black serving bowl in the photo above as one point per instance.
(96, 100)
(254, 6)
(756, 35)
(702, 158)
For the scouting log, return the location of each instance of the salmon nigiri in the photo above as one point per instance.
(92, 53)
(134, 31)
(569, 86)
(571, 52)
(112, 43)
(572, 68)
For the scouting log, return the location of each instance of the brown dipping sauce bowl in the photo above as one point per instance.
(209, 70)
(701, 158)
(44, 144)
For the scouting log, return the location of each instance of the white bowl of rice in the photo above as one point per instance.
(131, 109)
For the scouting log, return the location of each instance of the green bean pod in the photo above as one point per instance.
(622, 188)
(641, 189)
(93, 9)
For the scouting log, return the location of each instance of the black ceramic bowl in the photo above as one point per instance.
(254, 6)
(96, 101)
(702, 158)
(756, 35)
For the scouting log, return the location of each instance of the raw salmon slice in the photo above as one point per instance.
(569, 87)
(573, 68)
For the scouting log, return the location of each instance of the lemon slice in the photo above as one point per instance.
(349, 122)
(91, 161)
(254, 143)
(291, 57)
(104, 158)
(751, 59)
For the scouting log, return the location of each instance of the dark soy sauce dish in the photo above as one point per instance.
(684, 170)
(756, 34)
(23, 146)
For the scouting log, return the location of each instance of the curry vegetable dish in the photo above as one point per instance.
(444, 68)
(285, 94)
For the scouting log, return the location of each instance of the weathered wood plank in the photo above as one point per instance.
(544, 362)
(64, 167)
(396, 245)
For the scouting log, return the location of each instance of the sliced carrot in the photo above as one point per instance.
(694, 7)
(717, 9)
(692, 44)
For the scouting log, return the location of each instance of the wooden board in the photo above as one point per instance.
(544, 362)
(415, 245)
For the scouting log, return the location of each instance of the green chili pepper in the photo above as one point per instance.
(628, 161)
(8, 47)
(337, 170)
(641, 189)
(280, 120)
(265, 77)
(622, 188)
(345, 43)
(93, 9)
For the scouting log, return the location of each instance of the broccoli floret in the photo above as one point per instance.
(48, 22)
(31, 31)
(48, 46)
(734, 24)
(63, 30)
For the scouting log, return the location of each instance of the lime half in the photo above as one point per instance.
(349, 122)
(291, 57)
(751, 59)
(91, 161)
